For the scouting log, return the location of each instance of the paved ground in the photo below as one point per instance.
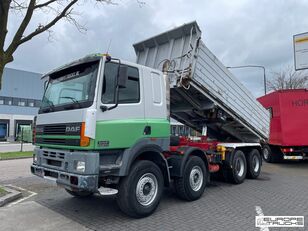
(282, 189)
(15, 147)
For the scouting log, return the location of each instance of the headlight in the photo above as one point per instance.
(80, 166)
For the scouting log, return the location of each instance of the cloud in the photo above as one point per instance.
(237, 32)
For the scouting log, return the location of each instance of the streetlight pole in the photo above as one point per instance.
(255, 66)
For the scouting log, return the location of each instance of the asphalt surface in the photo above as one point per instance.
(282, 189)
(15, 147)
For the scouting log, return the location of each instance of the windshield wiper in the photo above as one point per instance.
(51, 106)
(73, 99)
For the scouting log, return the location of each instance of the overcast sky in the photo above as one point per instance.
(255, 32)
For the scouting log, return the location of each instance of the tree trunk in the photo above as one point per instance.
(4, 59)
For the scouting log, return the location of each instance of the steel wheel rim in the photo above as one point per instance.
(146, 189)
(265, 153)
(196, 178)
(239, 166)
(255, 163)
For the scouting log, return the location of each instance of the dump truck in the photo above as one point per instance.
(104, 123)
(288, 138)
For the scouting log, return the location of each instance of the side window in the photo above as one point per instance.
(156, 88)
(130, 94)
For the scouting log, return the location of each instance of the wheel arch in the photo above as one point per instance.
(158, 159)
(147, 149)
(179, 161)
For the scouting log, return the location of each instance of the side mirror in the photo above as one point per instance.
(123, 76)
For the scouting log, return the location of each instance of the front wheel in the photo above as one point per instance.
(140, 192)
(192, 185)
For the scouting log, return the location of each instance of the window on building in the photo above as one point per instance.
(37, 103)
(30, 102)
(15, 102)
(22, 102)
(2, 100)
(8, 101)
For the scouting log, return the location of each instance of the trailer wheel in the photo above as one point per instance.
(192, 185)
(268, 155)
(80, 194)
(140, 192)
(253, 164)
(237, 173)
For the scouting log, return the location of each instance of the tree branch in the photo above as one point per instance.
(44, 4)
(17, 42)
(19, 33)
(65, 12)
(18, 6)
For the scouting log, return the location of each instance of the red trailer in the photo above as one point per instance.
(289, 125)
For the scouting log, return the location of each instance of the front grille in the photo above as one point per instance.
(58, 141)
(53, 159)
(54, 129)
(57, 155)
(58, 129)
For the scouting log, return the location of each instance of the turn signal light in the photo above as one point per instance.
(84, 140)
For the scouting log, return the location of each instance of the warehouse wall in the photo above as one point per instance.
(20, 99)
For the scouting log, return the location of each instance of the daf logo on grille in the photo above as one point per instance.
(72, 129)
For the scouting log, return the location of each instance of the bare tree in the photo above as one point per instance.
(60, 9)
(287, 78)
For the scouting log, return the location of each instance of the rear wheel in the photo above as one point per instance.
(269, 156)
(192, 185)
(237, 173)
(80, 194)
(140, 192)
(253, 164)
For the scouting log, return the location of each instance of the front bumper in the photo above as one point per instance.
(60, 166)
(71, 181)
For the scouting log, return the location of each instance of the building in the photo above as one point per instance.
(179, 129)
(20, 98)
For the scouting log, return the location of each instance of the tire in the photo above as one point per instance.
(254, 163)
(268, 155)
(191, 186)
(148, 178)
(237, 173)
(80, 194)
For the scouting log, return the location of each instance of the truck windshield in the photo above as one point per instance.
(70, 88)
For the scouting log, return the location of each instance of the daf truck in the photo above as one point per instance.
(104, 123)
